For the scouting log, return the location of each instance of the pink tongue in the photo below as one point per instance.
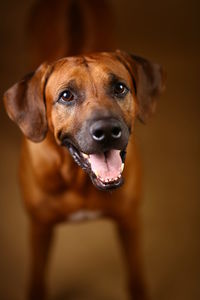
(106, 166)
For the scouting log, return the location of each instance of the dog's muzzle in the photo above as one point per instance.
(101, 135)
(99, 147)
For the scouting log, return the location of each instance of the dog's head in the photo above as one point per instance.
(89, 103)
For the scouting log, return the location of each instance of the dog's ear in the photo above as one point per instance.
(148, 80)
(25, 104)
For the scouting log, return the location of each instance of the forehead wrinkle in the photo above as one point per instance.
(84, 62)
(66, 74)
(109, 65)
(91, 79)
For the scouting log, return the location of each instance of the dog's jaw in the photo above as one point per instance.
(103, 182)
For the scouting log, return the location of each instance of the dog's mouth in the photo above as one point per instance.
(105, 169)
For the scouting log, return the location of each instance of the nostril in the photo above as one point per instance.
(98, 135)
(116, 132)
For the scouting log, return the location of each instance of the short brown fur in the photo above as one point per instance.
(53, 185)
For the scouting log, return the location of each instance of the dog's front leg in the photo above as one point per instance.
(129, 236)
(40, 241)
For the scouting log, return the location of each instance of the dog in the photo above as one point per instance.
(77, 116)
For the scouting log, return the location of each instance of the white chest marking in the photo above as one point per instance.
(83, 215)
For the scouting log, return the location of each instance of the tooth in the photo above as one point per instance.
(96, 173)
(122, 168)
(85, 155)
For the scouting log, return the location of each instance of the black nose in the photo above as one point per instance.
(105, 129)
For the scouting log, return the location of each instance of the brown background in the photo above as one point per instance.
(86, 261)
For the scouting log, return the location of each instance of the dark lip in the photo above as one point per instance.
(84, 164)
(106, 186)
(78, 158)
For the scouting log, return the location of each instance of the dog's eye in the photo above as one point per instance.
(66, 96)
(120, 89)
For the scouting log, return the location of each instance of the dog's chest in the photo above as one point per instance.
(84, 215)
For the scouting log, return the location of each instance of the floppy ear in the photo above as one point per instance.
(25, 104)
(148, 79)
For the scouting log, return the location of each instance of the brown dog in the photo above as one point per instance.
(77, 114)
